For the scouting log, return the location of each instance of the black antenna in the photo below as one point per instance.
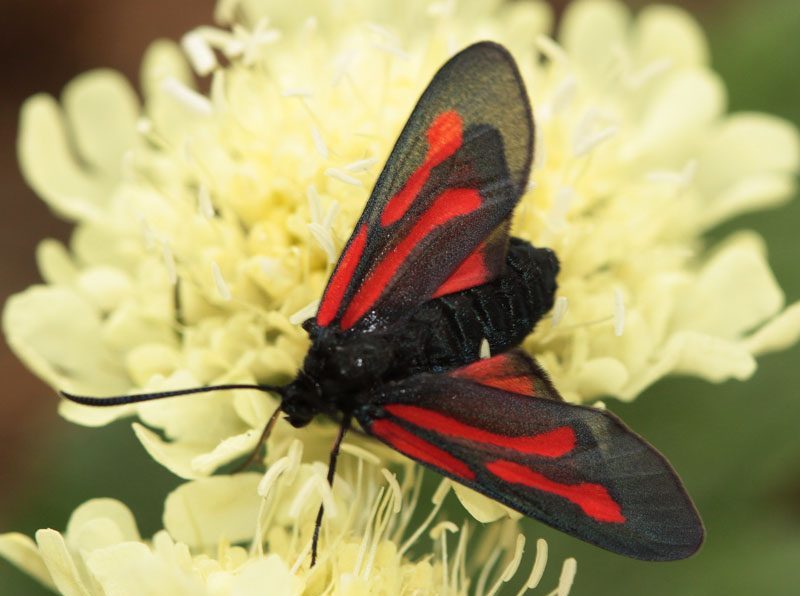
(119, 400)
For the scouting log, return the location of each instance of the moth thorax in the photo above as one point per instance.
(361, 362)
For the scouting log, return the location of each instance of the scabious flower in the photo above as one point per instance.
(206, 223)
(213, 550)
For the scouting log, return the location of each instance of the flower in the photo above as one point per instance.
(207, 223)
(366, 538)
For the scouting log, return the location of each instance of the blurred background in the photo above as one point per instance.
(736, 445)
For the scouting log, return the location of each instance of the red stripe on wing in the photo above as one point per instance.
(501, 372)
(593, 499)
(411, 445)
(448, 205)
(445, 136)
(554, 443)
(470, 273)
(341, 278)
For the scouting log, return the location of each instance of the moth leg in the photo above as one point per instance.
(263, 439)
(331, 471)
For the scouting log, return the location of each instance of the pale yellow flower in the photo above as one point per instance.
(207, 224)
(242, 535)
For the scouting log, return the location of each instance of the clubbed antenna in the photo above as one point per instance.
(119, 400)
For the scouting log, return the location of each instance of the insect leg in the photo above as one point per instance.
(331, 471)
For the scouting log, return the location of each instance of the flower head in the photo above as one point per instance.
(262, 535)
(206, 224)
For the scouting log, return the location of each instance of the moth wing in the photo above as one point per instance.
(499, 427)
(437, 219)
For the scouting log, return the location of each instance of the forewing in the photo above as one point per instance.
(437, 219)
(498, 427)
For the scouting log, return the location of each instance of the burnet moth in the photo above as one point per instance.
(429, 274)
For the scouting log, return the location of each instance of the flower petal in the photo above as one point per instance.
(60, 564)
(482, 508)
(131, 568)
(44, 323)
(669, 33)
(110, 510)
(102, 110)
(592, 30)
(780, 333)
(733, 293)
(21, 551)
(228, 506)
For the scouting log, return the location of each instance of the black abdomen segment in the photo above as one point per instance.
(450, 329)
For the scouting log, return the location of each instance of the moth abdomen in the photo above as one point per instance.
(503, 311)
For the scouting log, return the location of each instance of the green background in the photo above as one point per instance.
(736, 445)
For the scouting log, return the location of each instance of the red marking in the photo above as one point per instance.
(411, 445)
(554, 443)
(500, 372)
(444, 139)
(593, 499)
(341, 278)
(470, 273)
(448, 205)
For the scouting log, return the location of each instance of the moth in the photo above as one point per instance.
(429, 274)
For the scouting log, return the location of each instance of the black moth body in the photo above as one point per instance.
(440, 335)
(430, 273)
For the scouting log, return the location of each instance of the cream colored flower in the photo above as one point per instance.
(242, 535)
(207, 224)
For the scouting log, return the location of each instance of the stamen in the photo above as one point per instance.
(639, 79)
(365, 541)
(567, 577)
(680, 179)
(204, 202)
(437, 500)
(222, 288)
(270, 478)
(331, 214)
(362, 165)
(323, 237)
(200, 55)
(343, 177)
(394, 485)
(512, 566)
(393, 50)
(308, 311)
(550, 49)
(314, 206)
(486, 571)
(444, 526)
(360, 453)
(302, 92)
(585, 144)
(561, 98)
(539, 564)
(519, 549)
(342, 66)
(319, 142)
(559, 310)
(318, 484)
(188, 97)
